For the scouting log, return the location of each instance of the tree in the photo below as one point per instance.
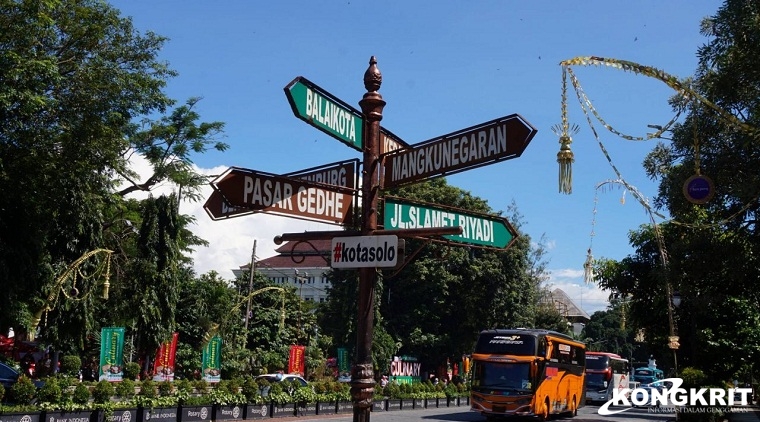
(75, 77)
(712, 248)
(437, 304)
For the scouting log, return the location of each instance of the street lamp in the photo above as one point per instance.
(676, 299)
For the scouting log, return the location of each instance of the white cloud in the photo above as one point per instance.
(588, 297)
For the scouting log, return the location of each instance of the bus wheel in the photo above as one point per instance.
(544, 415)
(574, 409)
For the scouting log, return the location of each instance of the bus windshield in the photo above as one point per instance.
(596, 361)
(513, 377)
(596, 381)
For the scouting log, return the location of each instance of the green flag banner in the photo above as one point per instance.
(211, 364)
(111, 354)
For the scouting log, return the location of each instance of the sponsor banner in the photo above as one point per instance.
(296, 362)
(211, 363)
(405, 370)
(343, 365)
(257, 411)
(163, 368)
(195, 413)
(120, 415)
(158, 414)
(111, 354)
(20, 417)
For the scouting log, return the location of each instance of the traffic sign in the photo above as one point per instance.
(477, 229)
(341, 174)
(364, 251)
(218, 209)
(333, 116)
(325, 112)
(487, 143)
(288, 196)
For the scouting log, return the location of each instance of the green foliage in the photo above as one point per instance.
(148, 389)
(201, 385)
(184, 386)
(103, 391)
(693, 378)
(50, 392)
(165, 388)
(2, 392)
(23, 391)
(81, 394)
(70, 365)
(131, 370)
(125, 389)
(251, 390)
(304, 394)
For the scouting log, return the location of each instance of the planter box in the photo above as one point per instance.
(75, 416)
(344, 407)
(394, 404)
(229, 412)
(19, 417)
(121, 415)
(257, 411)
(196, 413)
(306, 409)
(418, 404)
(326, 408)
(379, 405)
(283, 410)
(159, 414)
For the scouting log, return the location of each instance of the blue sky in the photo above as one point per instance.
(446, 65)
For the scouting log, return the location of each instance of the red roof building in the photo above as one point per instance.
(301, 265)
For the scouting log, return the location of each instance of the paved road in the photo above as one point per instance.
(463, 414)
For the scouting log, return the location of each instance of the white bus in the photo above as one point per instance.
(605, 372)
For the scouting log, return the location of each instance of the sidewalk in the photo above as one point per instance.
(752, 415)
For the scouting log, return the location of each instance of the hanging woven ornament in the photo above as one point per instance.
(565, 156)
(588, 268)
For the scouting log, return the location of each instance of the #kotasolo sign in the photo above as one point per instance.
(364, 251)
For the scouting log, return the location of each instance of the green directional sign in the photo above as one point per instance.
(477, 229)
(325, 112)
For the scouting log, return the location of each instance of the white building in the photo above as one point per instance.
(301, 265)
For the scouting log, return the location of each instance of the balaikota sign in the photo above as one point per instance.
(287, 196)
(476, 146)
(325, 112)
(477, 229)
(334, 116)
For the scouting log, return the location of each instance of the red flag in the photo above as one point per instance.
(163, 366)
(296, 362)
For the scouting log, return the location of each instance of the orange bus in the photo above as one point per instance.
(527, 372)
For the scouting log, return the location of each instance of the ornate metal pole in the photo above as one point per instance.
(362, 380)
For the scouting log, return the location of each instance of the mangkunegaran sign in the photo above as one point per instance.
(487, 143)
(477, 229)
(289, 196)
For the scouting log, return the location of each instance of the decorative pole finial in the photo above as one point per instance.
(372, 77)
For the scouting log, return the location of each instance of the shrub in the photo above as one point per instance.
(201, 385)
(125, 389)
(131, 370)
(148, 389)
(2, 392)
(165, 388)
(184, 386)
(81, 394)
(50, 392)
(70, 365)
(23, 391)
(251, 390)
(102, 392)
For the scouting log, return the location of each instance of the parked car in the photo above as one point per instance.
(646, 389)
(276, 378)
(9, 376)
